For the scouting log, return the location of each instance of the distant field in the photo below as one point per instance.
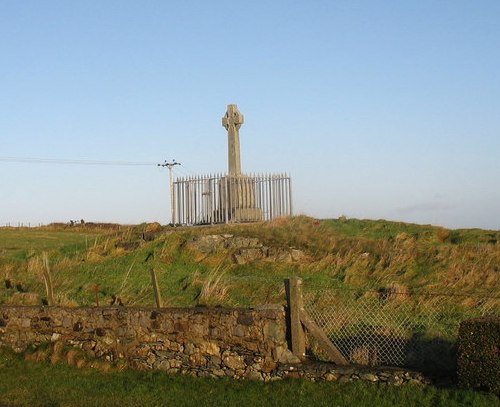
(40, 384)
(19, 244)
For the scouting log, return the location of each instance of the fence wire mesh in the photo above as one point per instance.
(393, 328)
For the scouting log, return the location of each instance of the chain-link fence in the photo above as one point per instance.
(393, 327)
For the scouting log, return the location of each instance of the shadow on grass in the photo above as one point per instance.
(433, 357)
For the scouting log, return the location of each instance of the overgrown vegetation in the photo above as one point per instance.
(106, 263)
(478, 354)
(24, 383)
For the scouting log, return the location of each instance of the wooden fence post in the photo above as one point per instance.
(293, 289)
(323, 340)
(96, 288)
(156, 289)
(48, 281)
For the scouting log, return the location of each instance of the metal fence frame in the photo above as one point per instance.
(387, 328)
(212, 199)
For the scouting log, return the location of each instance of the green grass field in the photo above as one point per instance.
(20, 244)
(31, 384)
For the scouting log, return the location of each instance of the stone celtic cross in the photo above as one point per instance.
(232, 121)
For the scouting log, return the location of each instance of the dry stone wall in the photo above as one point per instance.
(207, 342)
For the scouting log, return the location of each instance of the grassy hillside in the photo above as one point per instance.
(107, 261)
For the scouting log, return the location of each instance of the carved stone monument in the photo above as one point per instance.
(231, 197)
(232, 121)
(237, 189)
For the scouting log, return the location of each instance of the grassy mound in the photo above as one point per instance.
(106, 262)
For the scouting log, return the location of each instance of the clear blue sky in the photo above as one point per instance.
(378, 109)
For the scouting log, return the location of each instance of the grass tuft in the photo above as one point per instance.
(215, 289)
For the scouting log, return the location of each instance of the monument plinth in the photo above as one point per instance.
(237, 190)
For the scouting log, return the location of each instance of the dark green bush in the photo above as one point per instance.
(478, 354)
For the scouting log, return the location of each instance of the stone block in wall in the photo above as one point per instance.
(283, 355)
(245, 318)
(198, 360)
(274, 332)
(233, 361)
(209, 348)
(238, 330)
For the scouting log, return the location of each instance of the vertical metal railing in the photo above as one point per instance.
(221, 198)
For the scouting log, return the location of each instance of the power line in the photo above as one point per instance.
(34, 160)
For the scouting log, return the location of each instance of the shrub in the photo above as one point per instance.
(479, 354)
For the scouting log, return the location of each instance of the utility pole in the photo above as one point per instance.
(171, 165)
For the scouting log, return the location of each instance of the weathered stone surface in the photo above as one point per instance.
(279, 255)
(253, 375)
(283, 355)
(239, 330)
(244, 250)
(233, 361)
(200, 338)
(268, 365)
(297, 255)
(241, 242)
(370, 377)
(245, 319)
(331, 377)
(207, 244)
(25, 323)
(210, 348)
(274, 332)
(197, 359)
(218, 372)
(120, 338)
(244, 256)
(232, 121)
(189, 349)
(395, 380)
(270, 307)
(214, 361)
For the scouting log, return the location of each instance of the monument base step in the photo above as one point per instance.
(246, 215)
